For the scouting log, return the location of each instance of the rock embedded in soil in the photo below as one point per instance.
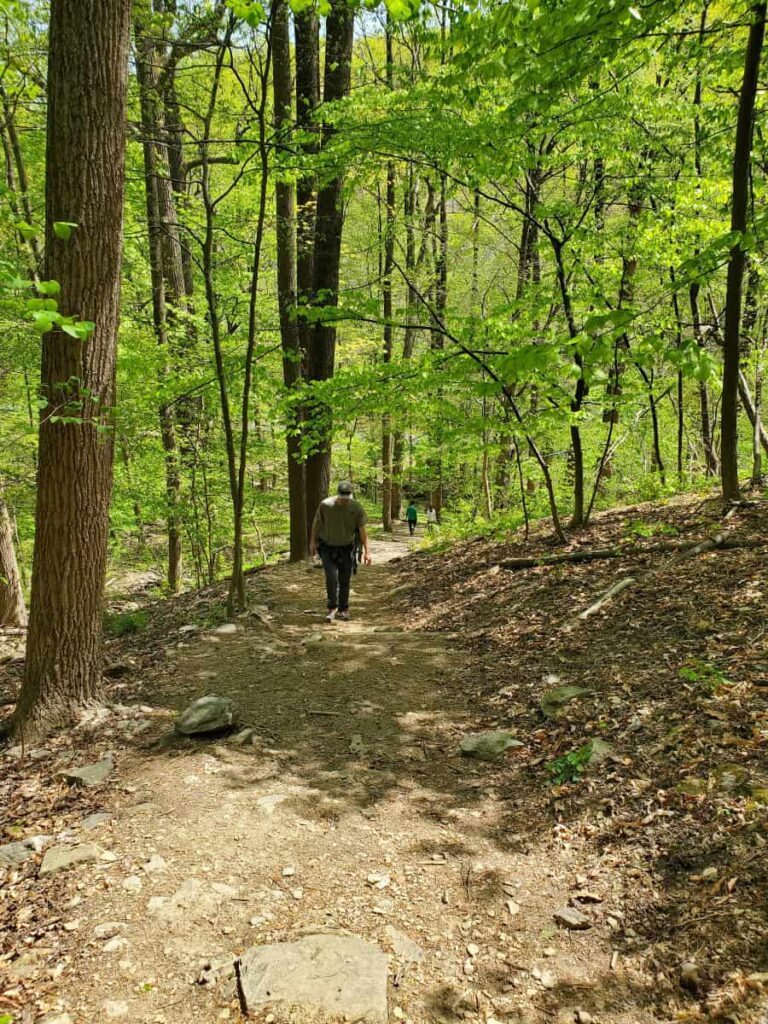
(95, 820)
(337, 975)
(488, 745)
(205, 715)
(405, 948)
(90, 774)
(59, 858)
(554, 701)
(109, 929)
(16, 853)
(570, 917)
(225, 629)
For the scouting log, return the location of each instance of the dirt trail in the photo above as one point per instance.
(352, 810)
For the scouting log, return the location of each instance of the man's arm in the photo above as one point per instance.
(314, 533)
(366, 546)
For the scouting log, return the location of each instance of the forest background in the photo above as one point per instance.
(504, 258)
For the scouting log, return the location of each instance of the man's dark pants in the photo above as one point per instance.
(337, 562)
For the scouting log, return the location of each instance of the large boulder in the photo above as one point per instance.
(337, 976)
(205, 715)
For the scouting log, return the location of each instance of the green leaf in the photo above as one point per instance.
(49, 288)
(63, 229)
(26, 230)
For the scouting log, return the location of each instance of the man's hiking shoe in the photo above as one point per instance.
(331, 615)
(343, 616)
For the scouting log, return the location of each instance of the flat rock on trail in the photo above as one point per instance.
(349, 811)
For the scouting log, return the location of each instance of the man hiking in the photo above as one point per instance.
(412, 516)
(338, 522)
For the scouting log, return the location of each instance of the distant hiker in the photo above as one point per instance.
(412, 517)
(339, 523)
(431, 517)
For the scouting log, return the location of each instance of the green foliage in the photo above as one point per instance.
(570, 767)
(703, 675)
(125, 623)
(639, 528)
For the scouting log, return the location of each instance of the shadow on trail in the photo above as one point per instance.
(365, 715)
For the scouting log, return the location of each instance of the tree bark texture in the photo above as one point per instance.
(12, 609)
(729, 444)
(285, 226)
(327, 250)
(85, 173)
(167, 279)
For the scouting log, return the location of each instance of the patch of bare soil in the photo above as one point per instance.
(349, 807)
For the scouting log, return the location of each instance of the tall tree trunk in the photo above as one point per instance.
(163, 265)
(339, 36)
(729, 443)
(12, 610)
(285, 226)
(707, 439)
(87, 84)
(389, 263)
(307, 46)
(409, 334)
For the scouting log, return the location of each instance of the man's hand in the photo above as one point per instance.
(367, 557)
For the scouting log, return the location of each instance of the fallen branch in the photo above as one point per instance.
(607, 596)
(693, 547)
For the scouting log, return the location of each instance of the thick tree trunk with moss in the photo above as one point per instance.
(85, 173)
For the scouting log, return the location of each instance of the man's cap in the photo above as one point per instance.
(345, 488)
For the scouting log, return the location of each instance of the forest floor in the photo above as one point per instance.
(351, 809)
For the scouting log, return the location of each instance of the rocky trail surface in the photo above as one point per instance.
(333, 850)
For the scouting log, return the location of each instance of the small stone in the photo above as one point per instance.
(71, 926)
(690, 977)
(547, 979)
(513, 908)
(132, 884)
(115, 945)
(289, 872)
(469, 967)
(268, 803)
(225, 629)
(59, 858)
(243, 737)
(404, 947)
(550, 951)
(188, 629)
(17, 853)
(108, 857)
(488, 745)
(116, 1009)
(378, 881)
(155, 863)
(570, 917)
(555, 701)
(298, 894)
(473, 949)
(108, 929)
(582, 1017)
(90, 774)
